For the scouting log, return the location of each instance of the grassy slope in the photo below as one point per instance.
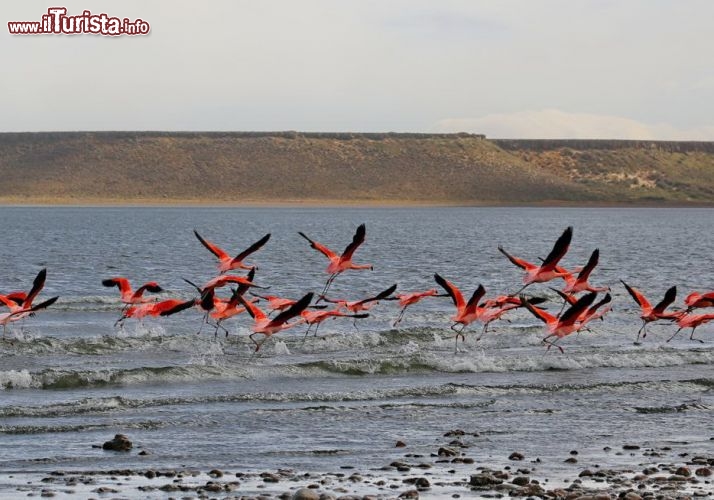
(234, 168)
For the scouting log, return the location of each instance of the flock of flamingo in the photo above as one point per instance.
(272, 314)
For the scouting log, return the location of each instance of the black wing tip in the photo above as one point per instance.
(109, 282)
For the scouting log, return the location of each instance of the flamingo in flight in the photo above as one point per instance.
(128, 296)
(567, 323)
(466, 312)
(340, 263)
(648, 313)
(364, 304)
(276, 303)
(692, 321)
(225, 261)
(493, 309)
(164, 308)
(549, 269)
(317, 317)
(696, 300)
(226, 309)
(20, 303)
(408, 299)
(263, 325)
(579, 283)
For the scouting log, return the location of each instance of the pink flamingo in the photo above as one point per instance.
(153, 309)
(340, 263)
(20, 303)
(692, 321)
(408, 299)
(317, 317)
(226, 262)
(696, 300)
(564, 325)
(128, 296)
(263, 325)
(648, 313)
(548, 270)
(466, 312)
(579, 283)
(364, 304)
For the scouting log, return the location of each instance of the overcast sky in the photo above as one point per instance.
(635, 69)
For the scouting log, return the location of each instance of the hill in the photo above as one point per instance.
(245, 167)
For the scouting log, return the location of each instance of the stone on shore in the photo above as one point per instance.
(119, 443)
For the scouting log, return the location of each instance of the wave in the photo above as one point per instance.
(443, 395)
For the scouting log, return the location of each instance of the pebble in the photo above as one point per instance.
(410, 494)
(400, 444)
(305, 494)
(703, 472)
(516, 456)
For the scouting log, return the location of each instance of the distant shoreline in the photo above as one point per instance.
(327, 203)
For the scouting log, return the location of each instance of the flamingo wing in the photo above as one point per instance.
(121, 283)
(253, 248)
(592, 262)
(37, 285)
(452, 290)
(151, 287)
(252, 309)
(320, 248)
(380, 296)
(293, 310)
(559, 249)
(477, 295)
(172, 306)
(669, 297)
(43, 305)
(570, 299)
(215, 250)
(637, 295)
(9, 302)
(537, 312)
(523, 264)
(593, 309)
(573, 312)
(357, 240)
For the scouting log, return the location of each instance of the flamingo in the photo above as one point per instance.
(20, 303)
(692, 321)
(563, 325)
(226, 262)
(493, 309)
(466, 312)
(164, 308)
(695, 300)
(549, 269)
(649, 313)
(276, 303)
(263, 325)
(408, 299)
(317, 317)
(579, 283)
(340, 263)
(225, 309)
(364, 304)
(18, 312)
(129, 297)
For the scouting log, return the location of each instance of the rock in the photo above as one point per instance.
(573, 452)
(422, 483)
(144, 453)
(683, 471)
(305, 494)
(631, 495)
(446, 452)
(215, 473)
(327, 496)
(119, 443)
(516, 456)
(269, 477)
(703, 472)
(521, 480)
(571, 460)
(455, 432)
(484, 479)
(400, 444)
(586, 473)
(410, 494)
(150, 474)
(630, 447)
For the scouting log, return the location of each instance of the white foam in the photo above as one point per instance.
(13, 379)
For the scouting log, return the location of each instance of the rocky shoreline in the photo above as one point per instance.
(452, 470)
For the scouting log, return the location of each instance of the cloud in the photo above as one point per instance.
(557, 124)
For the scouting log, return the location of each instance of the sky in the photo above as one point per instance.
(634, 69)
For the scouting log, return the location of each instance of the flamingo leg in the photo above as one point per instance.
(691, 337)
(520, 290)
(399, 318)
(483, 332)
(643, 330)
(316, 329)
(675, 334)
(307, 331)
(327, 287)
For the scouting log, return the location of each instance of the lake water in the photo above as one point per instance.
(69, 379)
